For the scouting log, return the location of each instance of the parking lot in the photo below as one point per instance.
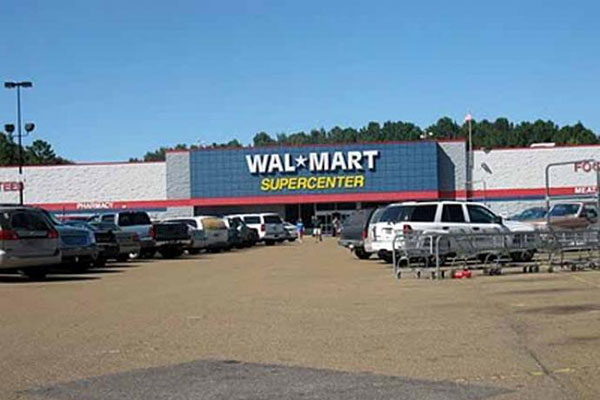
(298, 320)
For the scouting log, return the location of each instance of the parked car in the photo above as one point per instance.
(569, 215)
(245, 237)
(196, 232)
(29, 243)
(214, 229)
(290, 231)
(439, 217)
(254, 237)
(112, 241)
(169, 239)
(134, 222)
(355, 230)
(77, 245)
(268, 225)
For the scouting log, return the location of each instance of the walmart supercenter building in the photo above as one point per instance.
(322, 180)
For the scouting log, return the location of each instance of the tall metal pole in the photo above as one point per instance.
(19, 135)
(470, 155)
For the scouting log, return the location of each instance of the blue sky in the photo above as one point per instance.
(114, 79)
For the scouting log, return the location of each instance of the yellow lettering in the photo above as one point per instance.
(283, 183)
(349, 181)
(301, 183)
(359, 181)
(265, 184)
(330, 182)
(312, 182)
(321, 182)
(293, 184)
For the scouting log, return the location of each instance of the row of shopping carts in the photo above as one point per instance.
(438, 255)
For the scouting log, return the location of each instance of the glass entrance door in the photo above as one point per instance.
(325, 218)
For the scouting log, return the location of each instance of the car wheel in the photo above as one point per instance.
(99, 262)
(193, 252)
(361, 253)
(170, 252)
(122, 257)
(269, 242)
(387, 258)
(524, 256)
(147, 253)
(35, 274)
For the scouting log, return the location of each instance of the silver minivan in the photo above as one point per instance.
(29, 243)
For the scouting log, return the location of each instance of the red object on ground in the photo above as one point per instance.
(460, 274)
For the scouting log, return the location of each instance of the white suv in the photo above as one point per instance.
(436, 217)
(268, 225)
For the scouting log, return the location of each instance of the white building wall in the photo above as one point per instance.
(87, 183)
(519, 174)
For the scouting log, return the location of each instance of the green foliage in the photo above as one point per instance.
(263, 139)
(39, 152)
(485, 134)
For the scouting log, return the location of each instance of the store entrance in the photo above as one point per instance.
(331, 221)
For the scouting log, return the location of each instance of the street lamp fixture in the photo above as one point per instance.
(28, 128)
(12, 85)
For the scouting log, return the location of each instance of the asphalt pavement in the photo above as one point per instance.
(297, 321)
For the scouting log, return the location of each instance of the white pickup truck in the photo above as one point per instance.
(437, 217)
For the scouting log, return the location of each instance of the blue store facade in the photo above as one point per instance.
(320, 179)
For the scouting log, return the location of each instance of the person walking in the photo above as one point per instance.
(318, 230)
(300, 229)
(335, 226)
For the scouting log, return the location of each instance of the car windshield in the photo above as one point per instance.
(130, 219)
(187, 221)
(79, 224)
(51, 217)
(272, 219)
(412, 213)
(564, 210)
(252, 220)
(529, 214)
(104, 226)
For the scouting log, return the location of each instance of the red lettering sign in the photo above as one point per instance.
(586, 166)
(11, 186)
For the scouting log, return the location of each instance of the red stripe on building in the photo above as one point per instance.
(252, 200)
(526, 192)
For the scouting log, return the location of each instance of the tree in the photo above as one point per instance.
(40, 152)
(370, 133)
(487, 134)
(263, 139)
(156, 155)
(445, 127)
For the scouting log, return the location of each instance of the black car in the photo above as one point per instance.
(355, 229)
(112, 241)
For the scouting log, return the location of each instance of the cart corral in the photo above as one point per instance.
(440, 255)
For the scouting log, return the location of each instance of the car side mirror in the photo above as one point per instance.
(498, 220)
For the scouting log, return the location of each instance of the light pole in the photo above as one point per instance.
(470, 160)
(28, 128)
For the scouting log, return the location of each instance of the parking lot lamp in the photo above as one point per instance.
(28, 128)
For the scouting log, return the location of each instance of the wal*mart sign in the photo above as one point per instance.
(315, 162)
(319, 169)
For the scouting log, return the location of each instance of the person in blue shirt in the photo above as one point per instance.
(300, 229)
